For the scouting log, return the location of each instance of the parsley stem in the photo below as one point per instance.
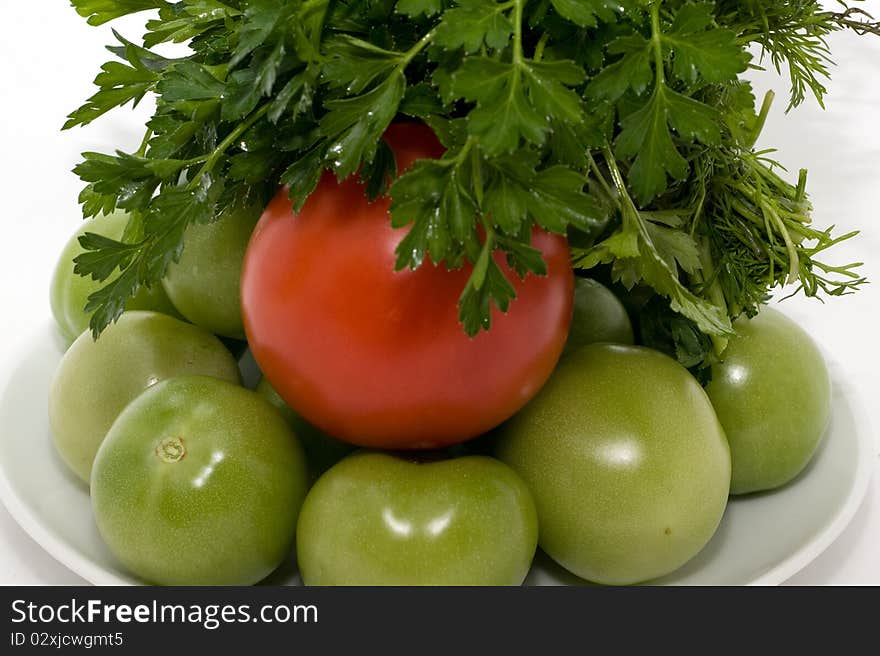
(517, 31)
(315, 12)
(601, 178)
(762, 117)
(420, 45)
(656, 35)
(461, 154)
(477, 172)
(697, 214)
(714, 291)
(539, 49)
(793, 259)
(144, 143)
(616, 176)
(801, 194)
(240, 129)
(629, 213)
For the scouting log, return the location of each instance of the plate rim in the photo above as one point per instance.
(806, 554)
(95, 574)
(70, 558)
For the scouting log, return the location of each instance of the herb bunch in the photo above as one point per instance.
(624, 123)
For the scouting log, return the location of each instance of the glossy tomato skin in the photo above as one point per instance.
(205, 283)
(69, 291)
(322, 451)
(376, 519)
(199, 482)
(626, 460)
(377, 357)
(97, 379)
(772, 393)
(598, 317)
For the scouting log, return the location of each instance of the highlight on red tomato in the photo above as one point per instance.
(377, 357)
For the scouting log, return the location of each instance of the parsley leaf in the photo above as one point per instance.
(702, 51)
(587, 13)
(645, 136)
(553, 198)
(414, 8)
(120, 83)
(517, 101)
(353, 126)
(623, 125)
(99, 12)
(631, 72)
(103, 255)
(503, 114)
(641, 251)
(303, 175)
(437, 199)
(487, 286)
(181, 21)
(353, 65)
(473, 23)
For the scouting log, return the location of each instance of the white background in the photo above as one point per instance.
(49, 56)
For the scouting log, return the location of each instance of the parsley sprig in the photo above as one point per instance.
(624, 124)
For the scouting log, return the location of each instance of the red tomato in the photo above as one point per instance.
(375, 356)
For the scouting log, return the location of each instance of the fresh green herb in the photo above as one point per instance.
(622, 123)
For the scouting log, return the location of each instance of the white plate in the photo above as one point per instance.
(763, 539)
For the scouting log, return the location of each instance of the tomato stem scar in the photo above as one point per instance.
(171, 449)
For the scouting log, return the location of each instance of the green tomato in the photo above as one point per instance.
(322, 451)
(375, 519)
(70, 292)
(599, 316)
(205, 283)
(627, 463)
(97, 379)
(772, 394)
(199, 482)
